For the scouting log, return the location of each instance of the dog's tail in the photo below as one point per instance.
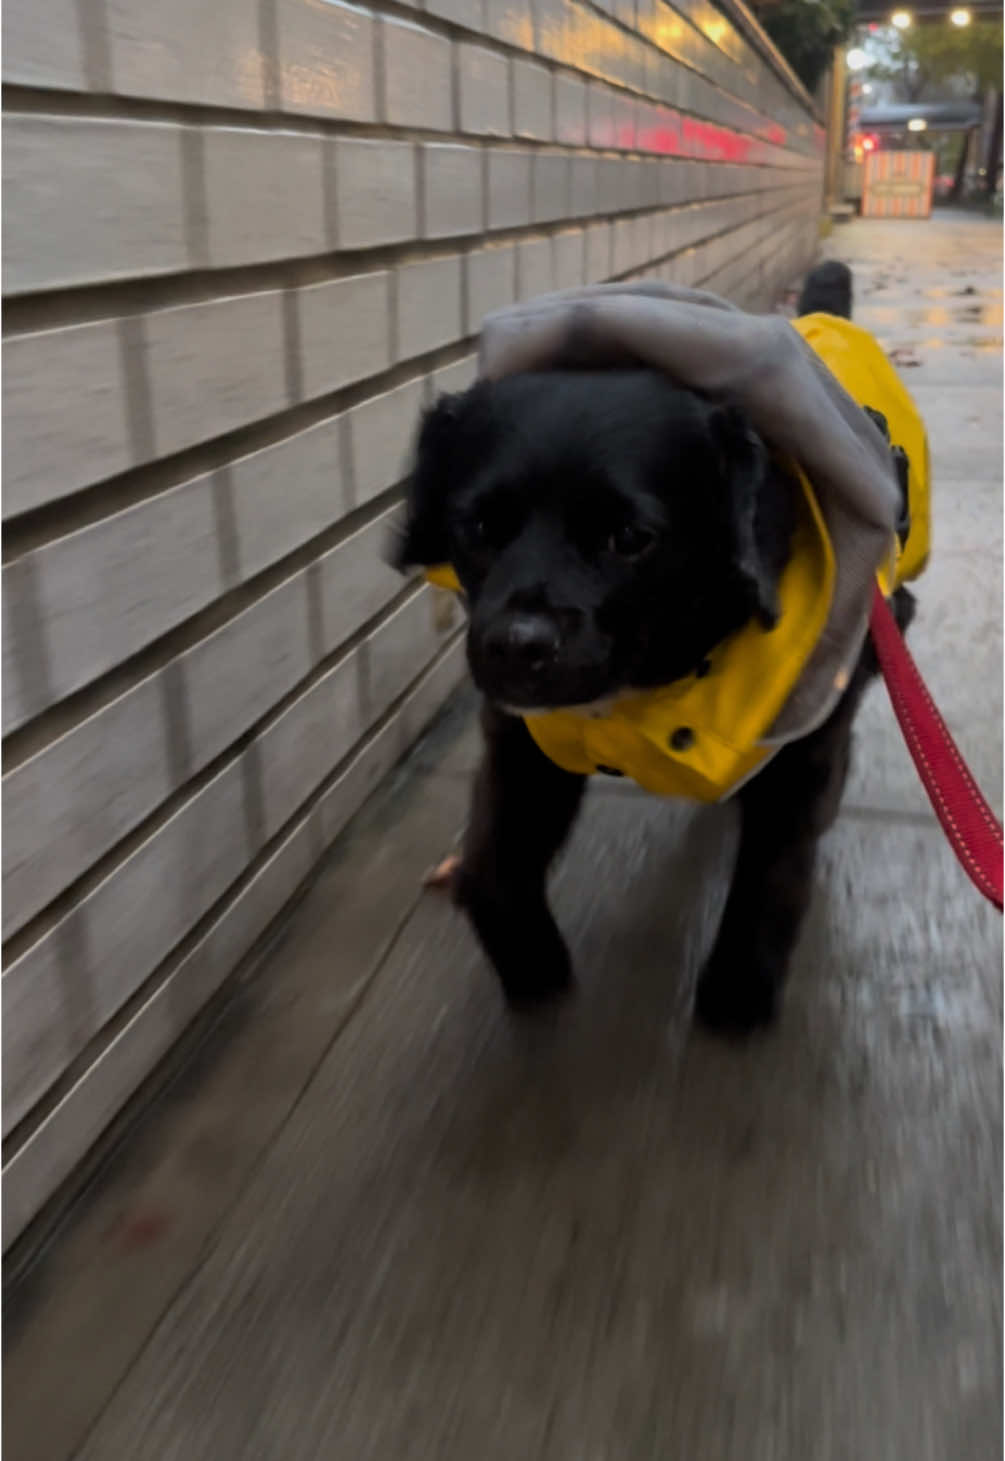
(827, 290)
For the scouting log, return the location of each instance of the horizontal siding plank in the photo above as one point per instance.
(88, 200)
(206, 55)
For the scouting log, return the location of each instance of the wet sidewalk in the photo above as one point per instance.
(376, 1220)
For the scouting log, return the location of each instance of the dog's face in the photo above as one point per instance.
(607, 530)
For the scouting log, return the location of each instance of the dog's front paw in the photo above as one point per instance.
(734, 998)
(444, 875)
(537, 983)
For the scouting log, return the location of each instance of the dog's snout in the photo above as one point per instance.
(528, 640)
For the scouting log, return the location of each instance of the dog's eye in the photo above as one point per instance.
(630, 541)
(488, 529)
(475, 531)
(473, 534)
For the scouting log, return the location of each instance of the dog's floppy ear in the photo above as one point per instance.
(746, 465)
(438, 459)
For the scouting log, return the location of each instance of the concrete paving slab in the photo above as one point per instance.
(611, 1237)
(965, 431)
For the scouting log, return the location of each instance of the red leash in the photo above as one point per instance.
(974, 832)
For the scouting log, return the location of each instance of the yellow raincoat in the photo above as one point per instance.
(702, 737)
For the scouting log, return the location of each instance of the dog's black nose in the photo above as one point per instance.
(528, 640)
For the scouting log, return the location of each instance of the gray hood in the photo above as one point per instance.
(759, 363)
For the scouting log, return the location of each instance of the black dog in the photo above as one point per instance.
(590, 568)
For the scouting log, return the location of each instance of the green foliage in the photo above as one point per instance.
(807, 31)
(926, 59)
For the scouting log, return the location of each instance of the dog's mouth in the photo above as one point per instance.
(591, 696)
(529, 663)
(591, 710)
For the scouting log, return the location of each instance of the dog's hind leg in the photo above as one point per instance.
(522, 809)
(784, 810)
(741, 982)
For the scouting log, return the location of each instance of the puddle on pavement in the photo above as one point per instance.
(953, 315)
(910, 353)
(938, 342)
(983, 344)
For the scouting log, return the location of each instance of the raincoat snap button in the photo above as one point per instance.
(682, 738)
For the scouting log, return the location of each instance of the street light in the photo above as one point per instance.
(901, 19)
(857, 60)
(959, 17)
(917, 124)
